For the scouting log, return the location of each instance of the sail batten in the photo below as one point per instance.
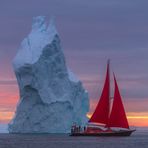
(102, 110)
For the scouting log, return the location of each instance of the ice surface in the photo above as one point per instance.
(72, 77)
(51, 96)
(31, 48)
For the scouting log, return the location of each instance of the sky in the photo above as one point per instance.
(91, 32)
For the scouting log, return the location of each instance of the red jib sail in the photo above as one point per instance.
(102, 110)
(117, 116)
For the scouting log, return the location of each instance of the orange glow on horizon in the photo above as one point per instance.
(134, 120)
(8, 100)
(5, 117)
(137, 117)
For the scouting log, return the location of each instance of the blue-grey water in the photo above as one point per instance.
(139, 139)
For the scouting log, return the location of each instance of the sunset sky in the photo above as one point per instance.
(91, 31)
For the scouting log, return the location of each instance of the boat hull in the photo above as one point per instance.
(105, 134)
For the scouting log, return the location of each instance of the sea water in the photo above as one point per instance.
(138, 139)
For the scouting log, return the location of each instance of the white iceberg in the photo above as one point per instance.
(51, 96)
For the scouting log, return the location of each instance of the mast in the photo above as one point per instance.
(101, 113)
(118, 115)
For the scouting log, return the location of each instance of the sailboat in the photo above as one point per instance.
(107, 121)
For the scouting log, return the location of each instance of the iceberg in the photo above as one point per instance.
(52, 98)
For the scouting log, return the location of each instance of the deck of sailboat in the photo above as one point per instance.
(105, 133)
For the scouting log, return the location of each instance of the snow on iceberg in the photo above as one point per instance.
(51, 96)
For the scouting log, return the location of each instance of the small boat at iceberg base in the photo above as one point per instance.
(106, 121)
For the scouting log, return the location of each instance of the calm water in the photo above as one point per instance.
(138, 140)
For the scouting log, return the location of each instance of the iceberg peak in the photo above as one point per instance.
(33, 45)
(52, 27)
(39, 23)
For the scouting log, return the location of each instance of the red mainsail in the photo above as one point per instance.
(117, 116)
(101, 113)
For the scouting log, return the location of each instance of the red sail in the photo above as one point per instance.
(101, 113)
(118, 116)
